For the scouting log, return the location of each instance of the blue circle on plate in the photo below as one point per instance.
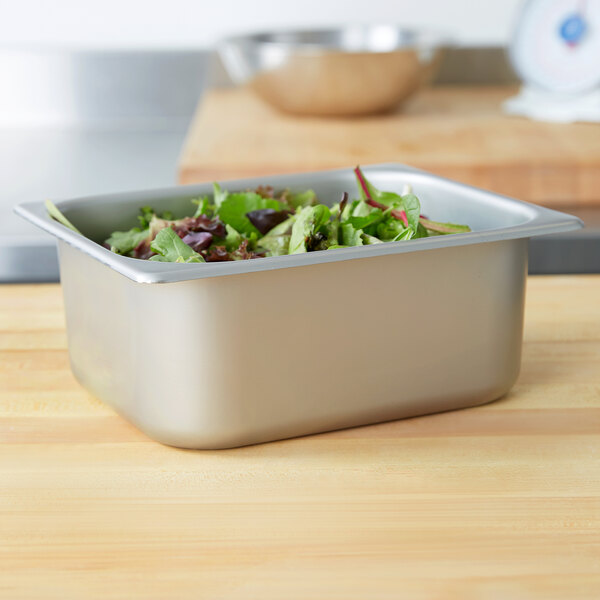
(573, 29)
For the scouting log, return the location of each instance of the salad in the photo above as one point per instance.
(262, 222)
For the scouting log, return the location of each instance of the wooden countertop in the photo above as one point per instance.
(458, 132)
(498, 501)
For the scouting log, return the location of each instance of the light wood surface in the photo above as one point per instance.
(495, 502)
(459, 133)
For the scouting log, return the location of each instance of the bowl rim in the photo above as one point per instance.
(417, 39)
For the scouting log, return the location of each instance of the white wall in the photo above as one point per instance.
(189, 23)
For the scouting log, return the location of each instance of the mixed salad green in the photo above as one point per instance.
(263, 222)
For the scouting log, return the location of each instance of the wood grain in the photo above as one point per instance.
(457, 132)
(494, 502)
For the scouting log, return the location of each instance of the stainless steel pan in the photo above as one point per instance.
(226, 354)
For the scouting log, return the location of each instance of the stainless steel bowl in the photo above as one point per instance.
(348, 71)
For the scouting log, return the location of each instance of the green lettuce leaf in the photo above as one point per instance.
(277, 241)
(123, 242)
(364, 216)
(437, 228)
(351, 236)
(308, 221)
(333, 232)
(233, 239)
(405, 235)
(170, 248)
(409, 203)
(349, 209)
(232, 210)
(276, 245)
(145, 216)
(219, 195)
(361, 209)
(373, 192)
(389, 229)
(370, 239)
(421, 232)
(302, 199)
(148, 214)
(203, 207)
(58, 216)
(412, 208)
(283, 228)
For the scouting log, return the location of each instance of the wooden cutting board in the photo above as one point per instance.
(457, 132)
(495, 502)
